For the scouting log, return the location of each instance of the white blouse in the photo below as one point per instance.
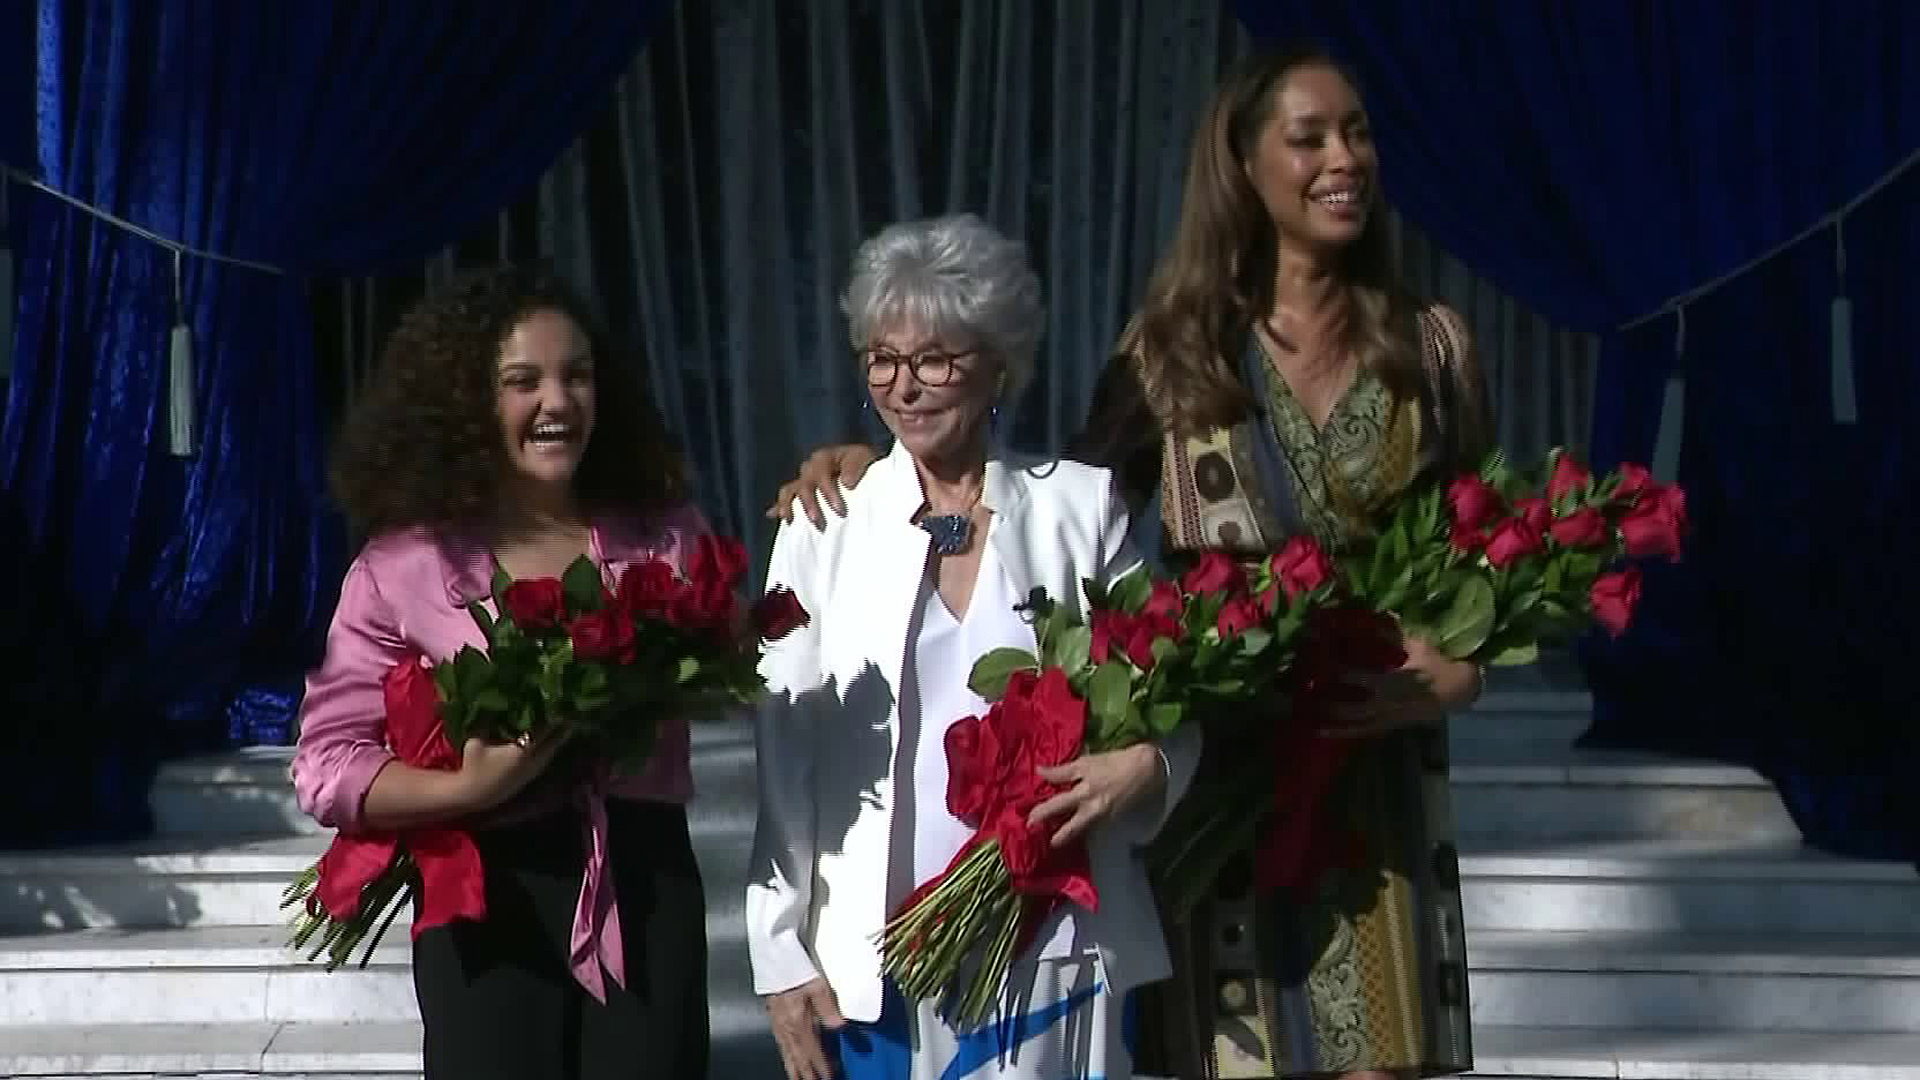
(933, 695)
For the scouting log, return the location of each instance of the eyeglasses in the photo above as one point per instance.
(930, 368)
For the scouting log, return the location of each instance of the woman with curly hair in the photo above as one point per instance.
(500, 433)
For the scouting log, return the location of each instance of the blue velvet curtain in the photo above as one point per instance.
(159, 605)
(1595, 160)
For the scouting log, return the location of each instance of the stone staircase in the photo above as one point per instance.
(1627, 917)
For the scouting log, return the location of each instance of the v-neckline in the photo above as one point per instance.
(1262, 339)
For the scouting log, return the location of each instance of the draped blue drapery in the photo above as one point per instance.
(158, 604)
(1596, 160)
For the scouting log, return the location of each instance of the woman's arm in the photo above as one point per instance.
(343, 774)
(780, 877)
(1122, 431)
(1140, 784)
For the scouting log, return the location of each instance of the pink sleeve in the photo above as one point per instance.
(342, 718)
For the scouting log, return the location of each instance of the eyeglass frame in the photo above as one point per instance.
(871, 355)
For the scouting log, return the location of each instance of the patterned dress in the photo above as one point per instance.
(1366, 967)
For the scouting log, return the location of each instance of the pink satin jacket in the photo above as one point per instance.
(406, 592)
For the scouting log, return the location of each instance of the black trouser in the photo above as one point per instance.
(497, 998)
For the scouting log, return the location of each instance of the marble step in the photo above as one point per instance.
(1511, 793)
(210, 881)
(249, 792)
(1528, 1053)
(362, 1050)
(1620, 886)
(1685, 885)
(1831, 983)
(391, 1051)
(248, 974)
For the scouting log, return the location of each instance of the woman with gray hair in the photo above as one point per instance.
(947, 534)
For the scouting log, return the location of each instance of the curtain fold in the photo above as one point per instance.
(757, 142)
(172, 604)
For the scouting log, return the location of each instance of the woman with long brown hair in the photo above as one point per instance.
(1278, 380)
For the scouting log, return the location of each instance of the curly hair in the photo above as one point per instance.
(423, 445)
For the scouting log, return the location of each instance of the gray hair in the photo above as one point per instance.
(954, 275)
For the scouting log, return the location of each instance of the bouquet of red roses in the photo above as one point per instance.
(1486, 567)
(562, 656)
(1499, 561)
(1148, 656)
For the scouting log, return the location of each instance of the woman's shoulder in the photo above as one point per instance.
(1062, 481)
(1442, 328)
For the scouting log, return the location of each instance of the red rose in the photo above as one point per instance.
(1634, 479)
(605, 636)
(703, 605)
(1240, 615)
(1568, 475)
(1214, 573)
(976, 770)
(1535, 512)
(1474, 503)
(535, 604)
(1651, 529)
(1164, 600)
(1671, 502)
(717, 559)
(1513, 540)
(1109, 628)
(1055, 721)
(1142, 632)
(1301, 566)
(648, 588)
(413, 717)
(1584, 528)
(779, 613)
(1614, 596)
(1467, 539)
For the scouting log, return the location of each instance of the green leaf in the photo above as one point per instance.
(483, 619)
(1129, 594)
(491, 700)
(1068, 651)
(581, 586)
(689, 669)
(1162, 648)
(1525, 652)
(992, 670)
(1468, 620)
(501, 579)
(470, 671)
(1165, 716)
(1108, 694)
(1255, 641)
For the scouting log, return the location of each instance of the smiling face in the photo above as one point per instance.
(544, 397)
(1313, 163)
(939, 414)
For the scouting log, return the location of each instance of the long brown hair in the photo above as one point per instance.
(1218, 275)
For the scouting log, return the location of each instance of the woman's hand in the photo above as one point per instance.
(491, 773)
(798, 1016)
(1429, 683)
(1098, 786)
(822, 475)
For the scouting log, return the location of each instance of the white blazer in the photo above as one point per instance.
(828, 733)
